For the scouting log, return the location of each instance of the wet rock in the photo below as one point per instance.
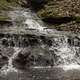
(30, 58)
(49, 42)
(25, 42)
(46, 40)
(5, 42)
(43, 38)
(74, 41)
(58, 20)
(33, 41)
(19, 40)
(37, 1)
(1, 36)
(42, 61)
(70, 41)
(7, 23)
(3, 60)
(21, 59)
(11, 43)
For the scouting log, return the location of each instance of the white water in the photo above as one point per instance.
(66, 53)
(9, 67)
(26, 19)
(70, 67)
(64, 67)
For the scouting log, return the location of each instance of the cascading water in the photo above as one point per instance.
(58, 48)
(68, 58)
(9, 66)
(27, 19)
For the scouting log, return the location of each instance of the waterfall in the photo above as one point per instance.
(53, 46)
(27, 19)
(9, 67)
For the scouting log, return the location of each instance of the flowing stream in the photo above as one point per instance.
(9, 66)
(67, 52)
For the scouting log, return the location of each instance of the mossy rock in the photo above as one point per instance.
(9, 4)
(63, 15)
(60, 8)
(70, 26)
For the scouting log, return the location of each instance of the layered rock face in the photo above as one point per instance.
(32, 53)
(10, 4)
(60, 8)
(63, 15)
(40, 50)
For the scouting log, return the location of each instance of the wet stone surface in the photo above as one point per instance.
(39, 51)
(43, 74)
